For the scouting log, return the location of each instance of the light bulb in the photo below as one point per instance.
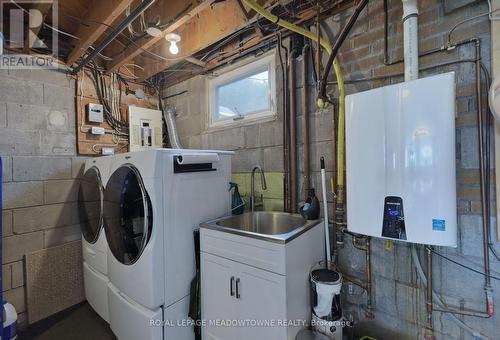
(174, 49)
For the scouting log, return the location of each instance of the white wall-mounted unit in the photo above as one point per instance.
(146, 128)
(400, 154)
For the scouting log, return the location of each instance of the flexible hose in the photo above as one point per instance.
(173, 135)
(437, 298)
(338, 73)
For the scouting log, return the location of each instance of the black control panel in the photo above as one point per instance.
(393, 225)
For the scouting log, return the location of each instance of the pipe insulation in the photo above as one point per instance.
(410, 33)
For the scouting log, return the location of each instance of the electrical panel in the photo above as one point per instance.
(146, 128)
(400, 161)
(95, 113)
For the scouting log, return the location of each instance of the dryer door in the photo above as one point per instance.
(127, 214)
(90, 198)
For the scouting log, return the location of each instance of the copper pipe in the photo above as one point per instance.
(284, 74)
(305, 122)
(293, 132)
(354, 280)
(429, 302)
(369, 306)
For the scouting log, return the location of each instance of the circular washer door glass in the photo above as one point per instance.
(90, 198)
(127, 214)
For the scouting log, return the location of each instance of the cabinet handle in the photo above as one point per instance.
(238, 295)
(231, 285)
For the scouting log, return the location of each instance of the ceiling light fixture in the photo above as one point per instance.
(173, 39)
(153, 30)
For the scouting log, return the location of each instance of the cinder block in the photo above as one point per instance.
(20, 91)
(7, 277)
(231, 139)
(42, 168)
(245, 160)
(470, 227)
(58, 143)
(252, 136)
(45, 217)
(14, 247)
(54, 77)
(60, 191)
(77, 166)
(38, 117)
(6, 223)
(54, 237)
(6, 168)
(17, 298)
(273, 158)
(17, 274)
(59, 97)
(3, 115)
(22, 194)
(271, 134)
(19, 143)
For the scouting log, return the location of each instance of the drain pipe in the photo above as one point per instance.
(293, 130)
(305, 121)
(410, 34)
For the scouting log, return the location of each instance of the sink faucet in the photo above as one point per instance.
(252, 187)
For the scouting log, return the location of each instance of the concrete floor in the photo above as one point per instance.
(76, 323)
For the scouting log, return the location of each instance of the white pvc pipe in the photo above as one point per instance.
(410, 31)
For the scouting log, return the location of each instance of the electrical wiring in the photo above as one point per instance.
(460, 23)
(464, 266)
(490, 14)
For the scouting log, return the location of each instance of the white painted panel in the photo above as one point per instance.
(400, 142)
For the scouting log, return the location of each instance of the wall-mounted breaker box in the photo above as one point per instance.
(95, 113)
(400, 161)
(146, 128)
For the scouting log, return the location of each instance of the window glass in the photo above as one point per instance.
(243, 96)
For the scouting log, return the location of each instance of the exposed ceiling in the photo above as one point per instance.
(211, 31)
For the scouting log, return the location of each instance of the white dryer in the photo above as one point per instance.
(153, 202)
(94, 244)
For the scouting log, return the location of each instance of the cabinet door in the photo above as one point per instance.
(261, 300)
(217, 304)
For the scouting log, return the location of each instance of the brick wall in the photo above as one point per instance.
(399, 296)
(37, 146)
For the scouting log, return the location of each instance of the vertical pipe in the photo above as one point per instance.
(429, 302)
(284, 74)
(482, 177)
(369, 305)
(410, 31)
(305, 121)
(293, 132)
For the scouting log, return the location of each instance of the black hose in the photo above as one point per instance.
(340, 40)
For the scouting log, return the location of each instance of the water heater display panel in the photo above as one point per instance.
(400, 158)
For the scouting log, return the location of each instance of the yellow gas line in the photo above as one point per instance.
(321, 104)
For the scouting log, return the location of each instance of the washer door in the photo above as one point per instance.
(90, 198)
(127, 214)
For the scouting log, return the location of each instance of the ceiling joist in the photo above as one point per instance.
(135, 49)
(101, 16)
(217, 23)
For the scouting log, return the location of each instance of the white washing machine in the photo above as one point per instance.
(94, 244)
(153, 202)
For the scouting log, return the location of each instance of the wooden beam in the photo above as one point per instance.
(146, 42)
(196, 61)
(103, 13)
(215, 24)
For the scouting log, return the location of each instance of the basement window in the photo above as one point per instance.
(245, 94)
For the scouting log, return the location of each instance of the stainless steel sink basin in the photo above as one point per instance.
(272, 226)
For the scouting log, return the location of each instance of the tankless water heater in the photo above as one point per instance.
(400, 161)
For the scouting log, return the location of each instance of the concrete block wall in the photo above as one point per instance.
(40, 170)
(399, 297)
(260, 143)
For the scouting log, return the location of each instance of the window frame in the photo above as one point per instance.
(240, 72)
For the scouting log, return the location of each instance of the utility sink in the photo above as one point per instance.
(272, 226)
